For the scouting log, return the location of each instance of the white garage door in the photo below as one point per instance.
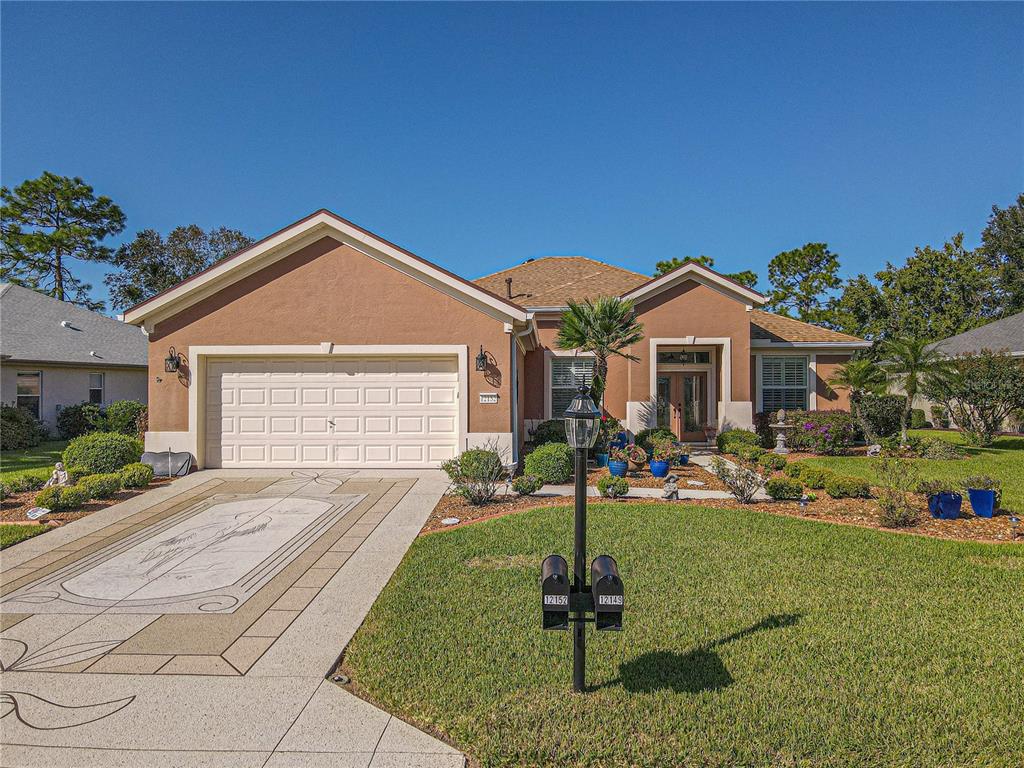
(332, 412)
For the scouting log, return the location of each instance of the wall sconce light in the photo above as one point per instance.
(172, 362)
(481, 360)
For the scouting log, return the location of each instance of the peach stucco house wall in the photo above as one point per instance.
(324, 344)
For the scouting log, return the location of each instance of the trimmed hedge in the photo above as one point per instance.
(100, 452)
(781, 488)
(550, 431)
(81, 419)
(62, 498)
(772, 461)
(749, 452)
(793, 469)
(101, 486)
(551, 462)
(815, 477)
(741, 436)
(612, 487)
(19, 429)
(137, 475)
(123, 416)
(844, 487)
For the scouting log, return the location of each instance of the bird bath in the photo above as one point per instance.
(780, 427)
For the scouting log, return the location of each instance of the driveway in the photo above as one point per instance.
(194, 625)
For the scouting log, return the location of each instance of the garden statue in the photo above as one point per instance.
(59, 476)
(874, 450)
(780, 426)
(671, 488)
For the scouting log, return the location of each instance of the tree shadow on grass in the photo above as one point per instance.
(700, 669)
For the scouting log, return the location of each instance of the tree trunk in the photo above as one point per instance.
(601, 374)
(58, 283)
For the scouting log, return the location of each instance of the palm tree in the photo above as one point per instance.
(861, 377)
(908, 362)
(605, 326)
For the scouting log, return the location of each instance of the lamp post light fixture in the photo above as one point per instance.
(172, 362)
(481, 359)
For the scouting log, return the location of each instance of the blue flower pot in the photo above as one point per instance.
(949, 505)
(933, 505)
(659, 468)
(683, 460)
(601, 459)
(618, 468)
(983, 502)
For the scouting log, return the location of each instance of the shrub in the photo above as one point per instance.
(917, 419)
(795, 468)
(940, 416)
(897, 511)
(475, 474)
(123, 416)
(743, 436)
(772, 462)
(4, 491)
(781, 488)
(610, 427)
(81, 419)
(101, 486)
(137, 475)
(937, 448)
(882, 414)
(19, 429)
(550, 431)
(984, 483)
(742, 482)
(28, 481)
(526, 485)
(646, 438)
(845, 487)
(76, 473)
(749, 452)
(552, 463)
(826, 433)
(64, 498)
(103, 451)
(612, 487)
(732, 448)
(815, 477)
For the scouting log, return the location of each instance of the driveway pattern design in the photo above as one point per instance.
(220, 576)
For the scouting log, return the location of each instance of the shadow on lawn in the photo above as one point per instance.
(700, 669)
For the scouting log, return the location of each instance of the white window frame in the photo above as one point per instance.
(549, 355)
(102, 387)
(39, 397)
(809, 381)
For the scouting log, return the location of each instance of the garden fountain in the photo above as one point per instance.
(780, 428)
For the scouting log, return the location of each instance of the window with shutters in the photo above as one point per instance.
(783, 383)
(567, 374)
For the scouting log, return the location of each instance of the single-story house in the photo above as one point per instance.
(1006, 335)
(324, 345)
(54, 354)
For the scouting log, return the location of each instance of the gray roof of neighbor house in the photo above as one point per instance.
(1005, 334)
(41, 329)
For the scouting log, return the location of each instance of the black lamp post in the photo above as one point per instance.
(582, 425)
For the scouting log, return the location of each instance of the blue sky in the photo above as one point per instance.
(480, 135)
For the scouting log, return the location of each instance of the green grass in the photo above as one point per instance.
(11, 534)
(1004, 459)
(750, 639)
(39, 460)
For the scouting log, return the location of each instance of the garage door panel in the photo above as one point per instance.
(348, 412)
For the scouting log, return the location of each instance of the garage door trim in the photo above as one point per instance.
(197, 357)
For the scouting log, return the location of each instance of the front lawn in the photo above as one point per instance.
(42, 457)
(1004, 460)
(749, 639)
(12, 534)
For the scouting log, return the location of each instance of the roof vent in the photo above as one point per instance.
(92, 353)
(65, 323)
(528, 261)
(508, 286)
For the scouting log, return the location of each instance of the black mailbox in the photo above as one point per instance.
(554, 587)
(607, 589)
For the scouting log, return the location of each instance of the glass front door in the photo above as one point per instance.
(682, 404)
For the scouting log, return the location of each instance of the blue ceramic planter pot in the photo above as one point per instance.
(659, 468)
(933, 505)
(948, 505)
(983, 502)
(618, 468)
(682, 460)
(601, 459)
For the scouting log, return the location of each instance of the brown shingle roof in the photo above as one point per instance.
(553, 281)
(768, 325)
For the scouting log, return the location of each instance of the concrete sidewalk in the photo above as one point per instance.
(97, 676)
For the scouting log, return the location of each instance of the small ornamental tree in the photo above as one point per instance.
(979, 391)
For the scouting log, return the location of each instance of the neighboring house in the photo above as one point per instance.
(324, 345)
(1006, 335)
(54, 354)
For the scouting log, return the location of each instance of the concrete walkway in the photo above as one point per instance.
(194, 625)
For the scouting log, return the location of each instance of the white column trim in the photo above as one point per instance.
(198, 355)
(696, 341)
(812, 382)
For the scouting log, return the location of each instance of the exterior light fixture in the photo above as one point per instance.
(481, 360)
(582, 421)
(172, 362)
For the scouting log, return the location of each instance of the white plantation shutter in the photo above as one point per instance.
(783, 382)
(568, 373)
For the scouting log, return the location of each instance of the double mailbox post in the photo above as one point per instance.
(575, 602)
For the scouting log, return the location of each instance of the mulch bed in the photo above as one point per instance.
(14, 507)
(861, 512)
(644, 478)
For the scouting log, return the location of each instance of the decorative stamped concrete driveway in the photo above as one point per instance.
(194, 625)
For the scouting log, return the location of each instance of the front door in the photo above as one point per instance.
(682, 403)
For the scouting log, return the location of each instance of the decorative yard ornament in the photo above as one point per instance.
(671, 488)
(874, 450)
(59, 476)
(780, 426)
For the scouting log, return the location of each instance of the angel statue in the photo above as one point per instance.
(59, 476)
